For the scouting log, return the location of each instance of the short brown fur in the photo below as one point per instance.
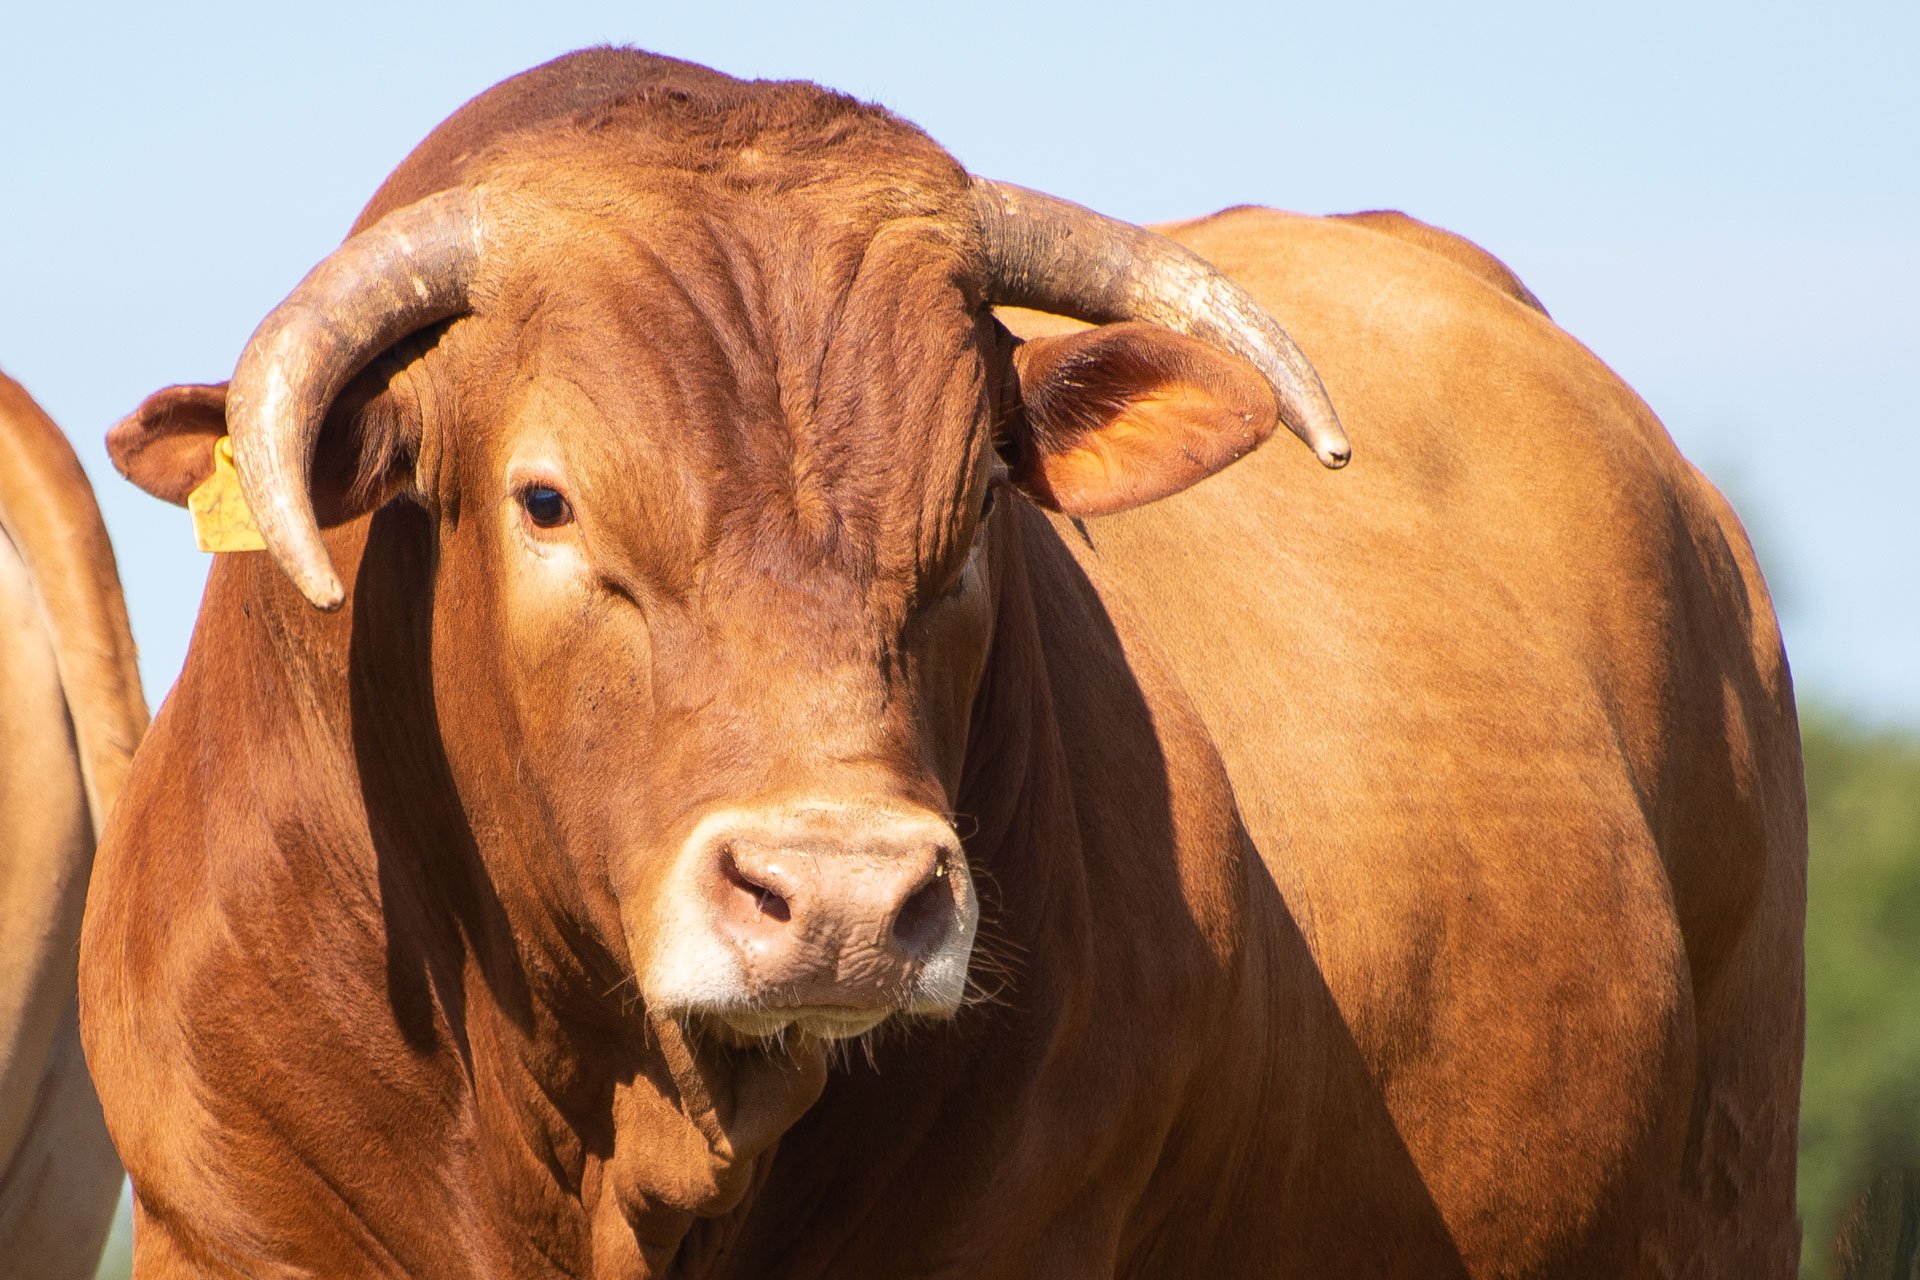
(1396, 873)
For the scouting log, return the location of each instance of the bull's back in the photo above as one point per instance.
(1506, 715)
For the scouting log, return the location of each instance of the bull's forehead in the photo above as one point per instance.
(749, 385)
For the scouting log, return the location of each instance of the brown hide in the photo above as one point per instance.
(1456, 249)
(1397, 872)
(73, 716)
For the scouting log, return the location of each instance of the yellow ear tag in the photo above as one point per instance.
(221, 521)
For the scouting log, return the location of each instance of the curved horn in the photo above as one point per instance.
(408, 270)
(1053, 255)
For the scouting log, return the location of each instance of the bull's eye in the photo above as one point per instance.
(986, 504)
(546, 507)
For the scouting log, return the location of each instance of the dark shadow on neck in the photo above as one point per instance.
(437, 902)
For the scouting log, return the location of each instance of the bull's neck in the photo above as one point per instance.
(1014, 790)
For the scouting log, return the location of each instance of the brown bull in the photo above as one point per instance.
(1397, 872)
(72, 716)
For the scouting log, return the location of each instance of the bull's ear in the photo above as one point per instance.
(1126, 413)
(166, 445)
(362, 459)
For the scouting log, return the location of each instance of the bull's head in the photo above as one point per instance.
(709, 458)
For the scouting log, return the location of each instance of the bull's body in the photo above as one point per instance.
(73, 713)
(1391, 873)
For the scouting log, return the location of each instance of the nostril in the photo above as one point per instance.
(924, 918)
(767, 903)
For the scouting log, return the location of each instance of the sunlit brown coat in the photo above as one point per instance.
(1396, 871)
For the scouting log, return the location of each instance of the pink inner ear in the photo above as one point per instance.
(1128, 413)
(166, 445)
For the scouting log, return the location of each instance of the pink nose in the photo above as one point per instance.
(839, 913)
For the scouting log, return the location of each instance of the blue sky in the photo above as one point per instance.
(1722, 201)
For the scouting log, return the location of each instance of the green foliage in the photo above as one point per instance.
(1860, 1103)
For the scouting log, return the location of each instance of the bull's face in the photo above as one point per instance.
(714, 596)
(710, 460)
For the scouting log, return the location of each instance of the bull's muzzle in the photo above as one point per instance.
(823, 916)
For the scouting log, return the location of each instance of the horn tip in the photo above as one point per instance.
(323, 590)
